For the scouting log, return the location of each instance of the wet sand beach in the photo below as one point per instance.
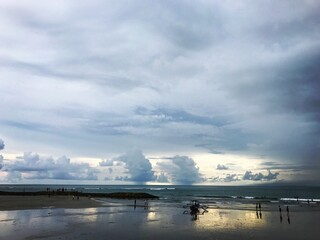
(34, 202)
(119, 219)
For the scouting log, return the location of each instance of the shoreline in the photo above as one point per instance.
(61, 199)
(25, 201)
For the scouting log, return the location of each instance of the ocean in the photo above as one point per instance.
(209, 195)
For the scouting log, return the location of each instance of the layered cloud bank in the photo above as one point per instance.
(135, 166)
(97, 78)
(33, 166)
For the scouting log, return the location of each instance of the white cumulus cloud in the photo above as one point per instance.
(181, 170)
(138, 167)
(34, 166)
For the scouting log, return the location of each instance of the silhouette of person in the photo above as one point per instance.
(145, 204)
(260, 214)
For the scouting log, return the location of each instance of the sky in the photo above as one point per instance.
(160, 92)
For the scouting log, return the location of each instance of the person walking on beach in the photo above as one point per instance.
(280, 211)
(260, 213)
(288, 214)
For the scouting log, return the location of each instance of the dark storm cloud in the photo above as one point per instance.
(260, 176)
(1, 144)
(286, 94)
(289, 99)
(290, 86)
(221, 167)
(288, 102)
(288, 33)
(122, 178)
(287, 167)
(227, 179)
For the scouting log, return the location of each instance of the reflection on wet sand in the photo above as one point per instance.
(77, 223)
(229, 219)
(151, 216)
(90, 215)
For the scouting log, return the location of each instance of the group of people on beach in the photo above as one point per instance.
(259, 213)
(288, 215)
(146, 203)
(74, 197)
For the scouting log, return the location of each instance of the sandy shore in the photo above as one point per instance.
(35, 202)
(83, 219)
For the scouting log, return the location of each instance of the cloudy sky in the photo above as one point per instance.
(160, 92)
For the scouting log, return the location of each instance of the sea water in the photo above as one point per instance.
(182, 194)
